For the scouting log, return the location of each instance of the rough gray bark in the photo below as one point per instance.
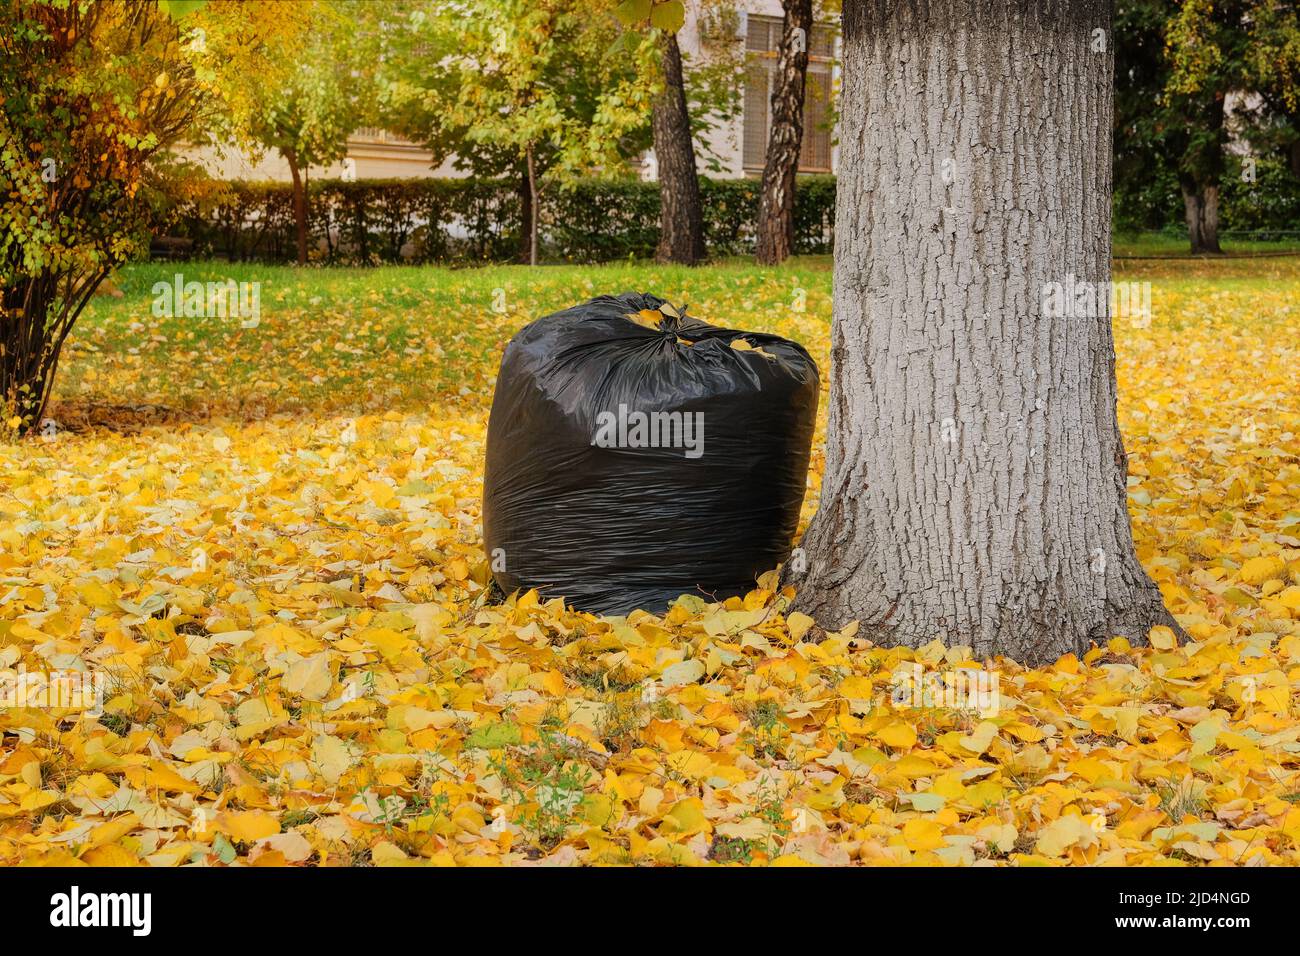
(681, 217)
(775, 240)
(974, 488)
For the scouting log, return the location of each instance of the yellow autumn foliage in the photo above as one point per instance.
(300, 664)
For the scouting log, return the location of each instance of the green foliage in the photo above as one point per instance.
(713, 81)
(1275, 63)
(1274, 55)
(600, 220)
(814, 214)
(92, 96)
(1268, 205)
(1146, 186)
(368, 222)
(362, 222)
(1178, 62)
(1206, 48)
(308, 113)
(545, 782)
(665, 15)
(517, 77)
(88, 101)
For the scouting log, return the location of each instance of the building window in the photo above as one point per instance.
(376, 135)
(762, 40)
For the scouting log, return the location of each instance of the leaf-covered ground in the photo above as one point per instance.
(267, 542)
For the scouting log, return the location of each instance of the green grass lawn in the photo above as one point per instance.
(362, 340)
(1164, 244)
(375, 338)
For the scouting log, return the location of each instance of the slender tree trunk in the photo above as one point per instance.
(775, 241)
(534, 207)
(524, 254)
(681, 219)
(36, 315)
(299, 205)
(974, 488)
(1201, 205)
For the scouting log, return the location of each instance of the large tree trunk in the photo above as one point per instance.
(974, 488)
(299, 205)
(1201, 205)
(776, 198)
(681, 219)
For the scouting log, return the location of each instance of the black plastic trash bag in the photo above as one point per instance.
(635, 456)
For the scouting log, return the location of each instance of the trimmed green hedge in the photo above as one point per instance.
(367, 222)
(1267, 207)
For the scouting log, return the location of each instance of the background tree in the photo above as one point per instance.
(775, 240)
(309, 113)
(1190, 78)
(714, 80)
(534, 90)
(1274, 65)
(1207, 45)
(975, 480)
(681, 216)
(93, 95)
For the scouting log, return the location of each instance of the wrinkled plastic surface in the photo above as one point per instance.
(616, 528)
